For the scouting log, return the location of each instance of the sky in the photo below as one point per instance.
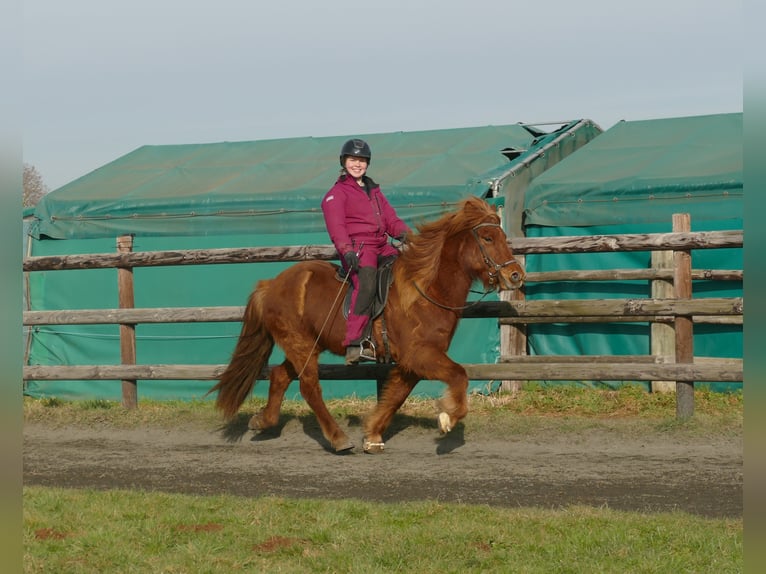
(104, 78)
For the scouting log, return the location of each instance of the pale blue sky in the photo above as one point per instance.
(103, 78)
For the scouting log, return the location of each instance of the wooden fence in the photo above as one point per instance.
(671, 364)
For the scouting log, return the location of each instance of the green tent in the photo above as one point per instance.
(632, 179)
(245, 194)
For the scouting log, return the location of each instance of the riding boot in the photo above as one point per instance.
(364, 351)
(353, 354)
(358, 325)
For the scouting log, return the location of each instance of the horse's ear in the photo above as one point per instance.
(473, 202)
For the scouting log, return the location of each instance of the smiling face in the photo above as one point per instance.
(356, 167)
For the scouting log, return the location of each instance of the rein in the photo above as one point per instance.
(448, 307)
(494, 270)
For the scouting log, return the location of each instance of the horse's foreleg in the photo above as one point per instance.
(312, 394)
(453, 406)
(396, 390)
(279, 379)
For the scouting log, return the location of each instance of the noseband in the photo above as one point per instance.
(493, 270)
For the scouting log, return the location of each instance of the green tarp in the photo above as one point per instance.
(269, 186)
(644, 171)
(243, 194)
(632, 179)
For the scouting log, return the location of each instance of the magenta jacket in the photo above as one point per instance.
(353, 217)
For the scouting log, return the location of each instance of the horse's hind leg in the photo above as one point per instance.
(398, 387)
(312, 394)
(279, 379)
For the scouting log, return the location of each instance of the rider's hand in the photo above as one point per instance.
(352, 261)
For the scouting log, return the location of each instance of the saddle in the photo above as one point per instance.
(383, 279)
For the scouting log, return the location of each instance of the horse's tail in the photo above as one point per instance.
(248, 359)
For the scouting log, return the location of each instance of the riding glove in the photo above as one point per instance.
(352, 261)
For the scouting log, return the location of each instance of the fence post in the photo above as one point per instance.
(513, 338)
(662, 335)
(126, 300)
(684, 327)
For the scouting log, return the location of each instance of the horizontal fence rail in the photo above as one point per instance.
(553, 310)
(551, 368)
(520, 245)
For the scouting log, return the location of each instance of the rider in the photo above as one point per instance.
(359, 220)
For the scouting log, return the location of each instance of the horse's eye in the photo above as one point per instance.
(487, 239)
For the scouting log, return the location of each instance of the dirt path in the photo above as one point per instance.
(600, 467)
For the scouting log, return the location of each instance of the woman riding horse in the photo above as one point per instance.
(432, 279)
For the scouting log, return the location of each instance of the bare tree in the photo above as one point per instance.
(34, 187)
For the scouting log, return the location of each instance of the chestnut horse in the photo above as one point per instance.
(431, 281)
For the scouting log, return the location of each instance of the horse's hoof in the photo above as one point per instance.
(255, 423)
(344, 447)
(373, 447)
(444, 423)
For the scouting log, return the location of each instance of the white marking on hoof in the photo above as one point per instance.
(255, 423)
(444, 424)
(373, 447)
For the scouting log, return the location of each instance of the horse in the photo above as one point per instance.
(432, 278)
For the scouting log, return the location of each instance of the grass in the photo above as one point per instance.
(130, 531)
(523, 412)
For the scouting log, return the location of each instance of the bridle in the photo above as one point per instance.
(492, 266)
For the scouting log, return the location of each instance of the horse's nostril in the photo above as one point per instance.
(515, 276)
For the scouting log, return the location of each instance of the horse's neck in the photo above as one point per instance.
(449, 286)
(452, 282)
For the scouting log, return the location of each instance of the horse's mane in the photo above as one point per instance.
(419, 261)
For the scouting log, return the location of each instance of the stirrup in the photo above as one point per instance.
(367, 351)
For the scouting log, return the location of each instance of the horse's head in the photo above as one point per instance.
(501, 270)
(494, 263)
(462, 246)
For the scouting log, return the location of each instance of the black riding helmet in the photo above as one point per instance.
(356, 148)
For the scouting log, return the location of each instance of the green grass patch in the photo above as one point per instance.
(95, 404)
(524, 412)
(130, 531)
(627, 411)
